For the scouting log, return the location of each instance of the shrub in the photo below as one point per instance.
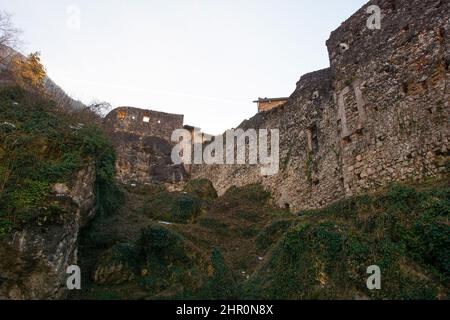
(94, 143)
(221, 286)
(173, 207)
(125, 253)
(160, 246)
(202, 188)
(248, 195)
(272, 233)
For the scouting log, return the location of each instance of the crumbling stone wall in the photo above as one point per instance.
(143, 122)
(379, 114)
(267, 104)
(391, 93)
(142, 142)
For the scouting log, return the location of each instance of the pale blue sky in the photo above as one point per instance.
(205, 59)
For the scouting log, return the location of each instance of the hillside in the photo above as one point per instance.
(7, 54)
(363, 180)
(193, 245)
(55, 174)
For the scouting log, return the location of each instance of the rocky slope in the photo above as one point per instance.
(55, 174)
(193, 245)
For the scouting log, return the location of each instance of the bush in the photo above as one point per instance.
(272, 233)
(125, 253)
(173, 267)
(160, 246)
(221, 286)
(94, 143)
(173, 207)
(253, 194)
(202, 188)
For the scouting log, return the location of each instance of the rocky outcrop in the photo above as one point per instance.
(34, 259)
(144, 160)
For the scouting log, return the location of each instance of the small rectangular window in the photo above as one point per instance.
(121, 115)
(146, 119)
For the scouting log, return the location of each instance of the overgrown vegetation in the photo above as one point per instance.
(29, 72)
(221, 285)
(243, 247)
(164, 265)
(405, 232)
(173, 207)
(41, 146)
(249, 195)
(201, 188)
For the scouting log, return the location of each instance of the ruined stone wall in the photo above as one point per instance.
(269, 105)
(142, 142)
(143, 122)
(379, 114)
(391, 93)
(310, 172)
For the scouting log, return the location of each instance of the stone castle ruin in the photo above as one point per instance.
(267, 104)
(378, 114)
(142, 140)
(143, 122)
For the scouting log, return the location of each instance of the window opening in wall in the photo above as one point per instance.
(121, 115)
(146, 119)
(313, 137)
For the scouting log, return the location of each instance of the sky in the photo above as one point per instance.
(206, 59)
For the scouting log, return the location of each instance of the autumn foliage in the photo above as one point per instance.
(29, 72)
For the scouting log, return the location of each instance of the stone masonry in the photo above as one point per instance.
(379, 114)
(143, 122)
(142, 142)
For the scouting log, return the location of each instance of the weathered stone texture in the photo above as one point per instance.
(34, 260)
(142, 142)
(268, 104)
(379, 114)
(399, 75)
(143, 122)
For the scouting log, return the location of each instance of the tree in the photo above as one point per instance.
(92, 114)
(100, 108)
(8, 35)
(29, 72)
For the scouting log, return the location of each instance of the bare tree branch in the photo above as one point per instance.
(100, 108)
(9, 35)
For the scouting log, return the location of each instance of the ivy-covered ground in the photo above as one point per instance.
(40, 145)
(196, 245)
